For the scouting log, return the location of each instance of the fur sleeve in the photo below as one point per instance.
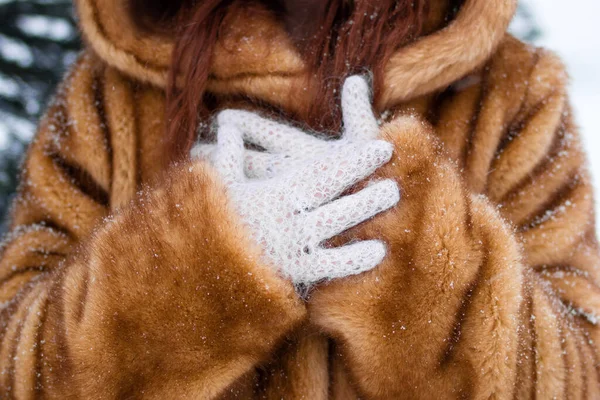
(164, 298)
(490, 288)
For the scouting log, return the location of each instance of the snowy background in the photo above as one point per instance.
(38, 40)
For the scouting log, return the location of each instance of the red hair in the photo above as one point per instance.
(352, 37)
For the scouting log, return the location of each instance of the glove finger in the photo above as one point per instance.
(271, 135)
(229, 155)
(257, 164)
(325, 179)
(345, 261)
(336, 217)
(359, 121)
(261, 165)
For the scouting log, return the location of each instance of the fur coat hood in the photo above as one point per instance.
(435, 61)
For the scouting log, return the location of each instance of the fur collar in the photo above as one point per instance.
(265, 64)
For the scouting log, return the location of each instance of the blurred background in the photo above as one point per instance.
(38, 41)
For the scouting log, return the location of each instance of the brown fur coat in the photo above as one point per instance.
(490, 288)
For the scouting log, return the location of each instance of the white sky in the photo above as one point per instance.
(571, 28)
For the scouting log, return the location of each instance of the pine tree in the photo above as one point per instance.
(38, 40)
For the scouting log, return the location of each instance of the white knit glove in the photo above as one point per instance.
(290, 215)
(288, 147)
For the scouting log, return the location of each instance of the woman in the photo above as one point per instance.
(486, 286)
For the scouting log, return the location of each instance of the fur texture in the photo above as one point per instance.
(490, 289)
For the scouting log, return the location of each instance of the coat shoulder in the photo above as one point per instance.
(537, 65)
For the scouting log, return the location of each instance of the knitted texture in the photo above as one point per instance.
(288, 147)
(288, 195)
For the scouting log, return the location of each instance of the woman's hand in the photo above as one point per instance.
(290, 215)
(286, 147)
